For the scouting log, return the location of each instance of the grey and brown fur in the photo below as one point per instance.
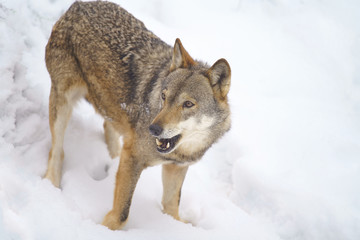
(144, 89)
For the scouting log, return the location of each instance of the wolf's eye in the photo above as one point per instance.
(163, 96)
(188, 104)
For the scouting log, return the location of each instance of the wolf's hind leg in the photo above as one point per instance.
(112, 139)
(59, 114)
(60, 108)
(172, 177)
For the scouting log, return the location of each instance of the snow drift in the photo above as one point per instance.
(288, 169)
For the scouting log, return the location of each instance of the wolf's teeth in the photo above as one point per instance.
(158, 142)
(168, 145)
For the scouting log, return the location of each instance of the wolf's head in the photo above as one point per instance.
(194, 110)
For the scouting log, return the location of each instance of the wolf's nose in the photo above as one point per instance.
(155, 130)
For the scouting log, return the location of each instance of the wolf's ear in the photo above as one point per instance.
(181, 58)
(219, 75)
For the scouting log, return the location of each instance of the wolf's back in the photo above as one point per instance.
(112, 46)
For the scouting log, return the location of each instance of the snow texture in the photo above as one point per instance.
(288, 169)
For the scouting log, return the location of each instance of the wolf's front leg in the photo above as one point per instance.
(126, 179)
(172, 177)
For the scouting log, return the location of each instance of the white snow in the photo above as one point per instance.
(288, 169)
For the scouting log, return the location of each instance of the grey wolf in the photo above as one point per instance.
(168, 107)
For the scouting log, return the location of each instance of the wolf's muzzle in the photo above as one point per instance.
(163, 145)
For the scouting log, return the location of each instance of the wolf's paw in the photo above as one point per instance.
(183, 221)
(112, 221)
(176, 217)
(53, 179)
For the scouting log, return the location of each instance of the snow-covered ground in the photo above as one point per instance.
(288, 169)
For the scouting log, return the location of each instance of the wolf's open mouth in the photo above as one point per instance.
(165, 145)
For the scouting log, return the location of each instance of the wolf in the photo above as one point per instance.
(167, 107)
